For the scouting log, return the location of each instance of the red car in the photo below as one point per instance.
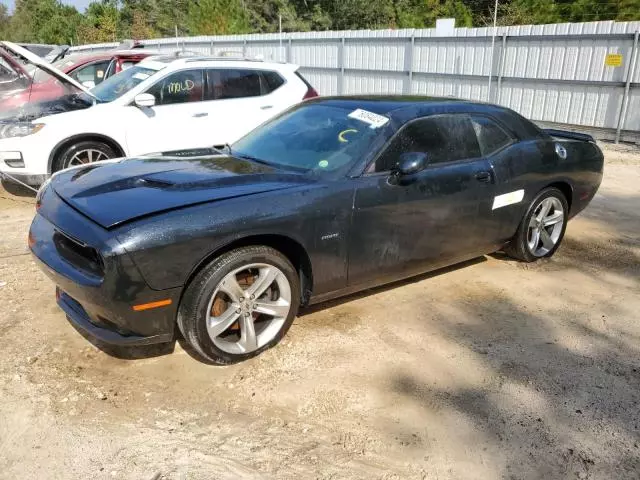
(88, 69)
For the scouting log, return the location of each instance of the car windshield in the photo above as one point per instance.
(121, 83)
(312, 137)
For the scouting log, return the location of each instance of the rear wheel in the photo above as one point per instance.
(542, 229)
(83, 152)
(240, 304)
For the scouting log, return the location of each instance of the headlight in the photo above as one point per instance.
(13, 130)
(41, 190)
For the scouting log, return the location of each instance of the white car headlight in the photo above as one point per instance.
(13, 130)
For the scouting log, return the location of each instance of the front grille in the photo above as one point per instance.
(78, 254)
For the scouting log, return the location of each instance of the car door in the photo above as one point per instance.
(499, 214)
(177, 121)
(428, 219)
(241, 101)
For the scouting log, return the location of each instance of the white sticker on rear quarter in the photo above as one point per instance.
(508, 199)
(371, 118)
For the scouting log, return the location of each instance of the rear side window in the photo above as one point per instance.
(234, 83)
(444, 138)
(270, 81)
(179, 87)
(491, 136)
(91, 75)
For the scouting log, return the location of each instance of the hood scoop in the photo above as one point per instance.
(154, 183)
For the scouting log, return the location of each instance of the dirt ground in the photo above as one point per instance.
(491, 369)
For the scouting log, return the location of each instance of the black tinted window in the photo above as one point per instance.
(491, 137)
(234, 83)
(444, 138)
(179, 87)
(271, 81)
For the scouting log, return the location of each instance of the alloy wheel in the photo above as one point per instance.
(545, 226)
(248, 308)
(82, 157)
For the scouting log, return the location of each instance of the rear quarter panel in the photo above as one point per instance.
(532, 165)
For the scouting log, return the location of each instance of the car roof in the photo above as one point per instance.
(218, 61)
(387, 104)
(404, 108)
(70, 62)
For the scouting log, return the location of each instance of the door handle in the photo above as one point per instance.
(483, 176)
(201, 114)
(266, 107)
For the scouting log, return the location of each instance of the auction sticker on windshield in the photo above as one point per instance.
(373, 119)
(141, 76)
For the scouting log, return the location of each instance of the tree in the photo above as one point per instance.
(100, 23)
(424, 13)
(5, 20)
(216, 17)
(44, 21)
(49, 21)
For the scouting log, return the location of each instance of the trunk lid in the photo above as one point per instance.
(114, 192)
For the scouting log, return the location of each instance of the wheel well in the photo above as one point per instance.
(84, 138)
(566, 189)
(290, 248)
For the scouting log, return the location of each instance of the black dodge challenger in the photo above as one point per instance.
(333, 196)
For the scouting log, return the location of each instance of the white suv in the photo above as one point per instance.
(161, 104)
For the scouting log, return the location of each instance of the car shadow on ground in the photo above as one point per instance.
(16, 189)
(130, 352)
(560, 396)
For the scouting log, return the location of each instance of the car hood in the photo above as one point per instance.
(31, 88)
(34, 61)
(114, 192)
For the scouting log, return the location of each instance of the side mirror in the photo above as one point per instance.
(412, 162)
(145, 100)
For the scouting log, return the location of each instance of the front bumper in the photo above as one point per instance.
(77, 315)
(25, 178)
(98, 300)
(26, 158)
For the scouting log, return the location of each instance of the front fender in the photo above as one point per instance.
(169, 247)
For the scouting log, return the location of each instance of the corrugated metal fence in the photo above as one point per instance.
(555, 74)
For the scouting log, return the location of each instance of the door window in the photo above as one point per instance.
(491, 136)
(234, 83)
(179, 87)
(444, 138)
(91, 75)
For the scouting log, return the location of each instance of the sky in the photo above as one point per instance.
(79, 4)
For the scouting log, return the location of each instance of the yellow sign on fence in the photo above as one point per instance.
(613, 60)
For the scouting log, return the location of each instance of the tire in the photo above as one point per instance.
(520, 247)
(73, 154)
(215, 318)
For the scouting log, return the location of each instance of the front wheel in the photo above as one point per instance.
(541, 230)
(83, 152)
(240, 304)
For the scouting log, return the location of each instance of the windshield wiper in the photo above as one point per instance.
(222, 152)
(240, 155)
(249, 157)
